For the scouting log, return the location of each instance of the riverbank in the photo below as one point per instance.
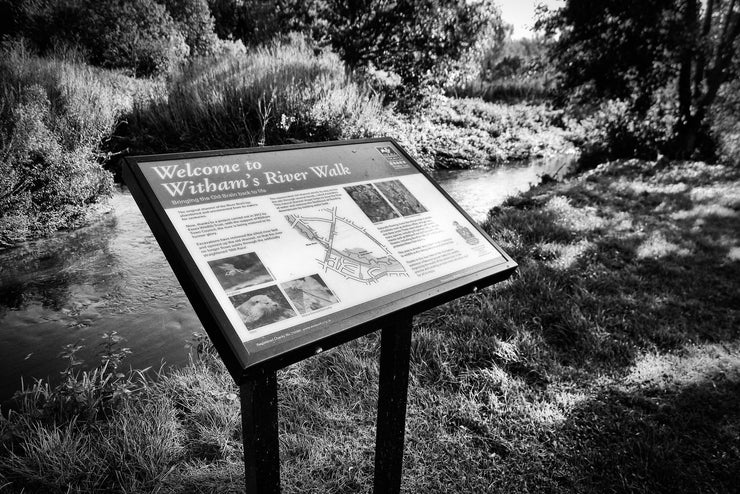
(609, 363)
(66, 123)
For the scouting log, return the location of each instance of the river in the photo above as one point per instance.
(111, 276)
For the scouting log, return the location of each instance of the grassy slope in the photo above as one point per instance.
(611, 363)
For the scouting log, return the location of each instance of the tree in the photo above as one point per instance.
(255, 22)
(136, 35)
(704, 64)
(420, 40)
(139, 36)
(634, 49)
(193, 19)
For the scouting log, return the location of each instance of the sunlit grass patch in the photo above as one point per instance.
(564, 256)
(656, 245)
(577, 219)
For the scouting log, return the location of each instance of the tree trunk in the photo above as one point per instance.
(693, 106)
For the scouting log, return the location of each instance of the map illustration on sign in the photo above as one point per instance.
(348, 248)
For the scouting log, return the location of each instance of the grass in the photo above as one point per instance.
(610, 363)
(275, 94)
(287, 93)
(511, 89)
(55, 113)
(63, 123)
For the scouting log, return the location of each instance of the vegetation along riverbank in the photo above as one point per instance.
(610, 363)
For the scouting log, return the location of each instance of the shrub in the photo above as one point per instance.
(725, 123)
(193, 19)
(422, 41)
(98, 430)
(272, 95)
(255, 22)
(136, 35)
(53, 118)
(615, 131)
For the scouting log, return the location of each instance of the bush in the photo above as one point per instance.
(193, 19)
(54, 116)
(271, 95)
(725, 123)
(256, 22)
(615, 131)
(422, 41)
(138, 36)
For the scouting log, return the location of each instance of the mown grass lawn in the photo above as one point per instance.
(609, 363)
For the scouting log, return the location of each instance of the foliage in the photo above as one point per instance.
(194, 20)
(725, 123)
(510, 71)
(422, 41)
(470, 132)
(136, 35)
(53, 117)
(632, 50)
(615, 131)
(271, 95)
(614, 49)
(256, 22)
(86, 395)
(521, 57)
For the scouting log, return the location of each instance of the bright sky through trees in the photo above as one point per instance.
(520, 14)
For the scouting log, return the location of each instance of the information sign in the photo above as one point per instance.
(281, 250)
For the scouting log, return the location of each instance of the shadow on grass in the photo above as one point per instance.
(653, 440)
(611, 266)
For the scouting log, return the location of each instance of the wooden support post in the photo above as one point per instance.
(260, 432)
(395, 348)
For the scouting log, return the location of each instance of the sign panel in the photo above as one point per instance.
(287, 246)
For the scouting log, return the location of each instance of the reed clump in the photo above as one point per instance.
(282, 92)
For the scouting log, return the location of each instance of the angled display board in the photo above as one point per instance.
(283, 250)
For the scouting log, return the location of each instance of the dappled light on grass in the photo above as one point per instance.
(656, 246)
(609, 363)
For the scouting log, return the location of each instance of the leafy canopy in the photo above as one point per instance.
(641, 51)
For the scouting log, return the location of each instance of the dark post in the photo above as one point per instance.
(395, 347)
(260, 432)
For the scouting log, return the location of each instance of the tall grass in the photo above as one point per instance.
(511, 89)
(54, 115)
(274, 94)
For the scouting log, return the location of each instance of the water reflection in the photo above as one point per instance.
(74, 286)
(479, 189)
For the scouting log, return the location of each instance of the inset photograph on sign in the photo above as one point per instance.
(309, 293)
(261, 307)
(239, 272)
(400, 197)
(371, 202)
